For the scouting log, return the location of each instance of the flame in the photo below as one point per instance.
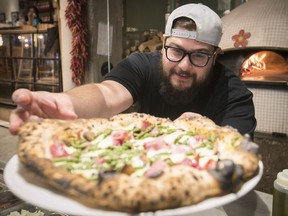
(265, 65)
(255, 62)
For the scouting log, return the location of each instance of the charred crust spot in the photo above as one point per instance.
(116, 198)
(124, 192)
(105, 175)
(173, 187)
(80, 189)
(173, 198)
(64, 183)
(228, 174)
(109, 188)
(130, 186)
(138, 204)
(195, 177)
(105, 194)
(162, 198)
(153, 202)
(187, 193)
(67, 128)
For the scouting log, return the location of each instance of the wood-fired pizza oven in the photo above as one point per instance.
(255, 42)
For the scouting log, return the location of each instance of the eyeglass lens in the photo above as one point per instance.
(196, 58)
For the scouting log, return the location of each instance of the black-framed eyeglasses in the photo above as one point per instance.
(175, 54)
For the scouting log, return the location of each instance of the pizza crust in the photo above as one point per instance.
(178, 185)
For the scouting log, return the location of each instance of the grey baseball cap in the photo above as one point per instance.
(208, 24)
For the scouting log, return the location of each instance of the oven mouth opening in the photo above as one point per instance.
(264, 66)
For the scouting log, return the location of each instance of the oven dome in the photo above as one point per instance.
(256, 24)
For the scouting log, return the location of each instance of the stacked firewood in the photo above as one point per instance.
(152, 43)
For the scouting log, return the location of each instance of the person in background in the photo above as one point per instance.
(33, 17)
(182, 79)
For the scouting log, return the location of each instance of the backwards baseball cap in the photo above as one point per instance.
(208, 24)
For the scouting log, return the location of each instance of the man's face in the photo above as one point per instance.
(184, 75)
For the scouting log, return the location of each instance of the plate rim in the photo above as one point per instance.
(15, 180)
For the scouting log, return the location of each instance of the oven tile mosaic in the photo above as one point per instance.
(271, 110)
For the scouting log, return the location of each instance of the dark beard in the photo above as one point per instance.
(181, 97)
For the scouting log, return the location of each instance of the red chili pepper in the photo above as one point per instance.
(74, 14)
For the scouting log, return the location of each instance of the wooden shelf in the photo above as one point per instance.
(24, 63)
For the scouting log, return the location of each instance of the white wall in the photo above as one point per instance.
(66, 47)
(8, 6)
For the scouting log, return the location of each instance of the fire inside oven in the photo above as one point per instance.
(265, 66)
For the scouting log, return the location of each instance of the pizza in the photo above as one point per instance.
(135, 162)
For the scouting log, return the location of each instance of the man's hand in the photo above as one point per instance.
(39, 105)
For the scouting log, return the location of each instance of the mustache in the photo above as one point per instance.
(183, 73)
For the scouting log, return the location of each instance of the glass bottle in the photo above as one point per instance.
(280, 194)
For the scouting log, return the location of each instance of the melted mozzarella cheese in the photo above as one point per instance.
(203, 161)
(137, 162)
(69, 149)
(105, 143)
(177, 157)
(139, 144)
(205, 151)
(47, 142)
(151, 153)
(170, 138)
(141, 172)
(192, 142)
(93, 153)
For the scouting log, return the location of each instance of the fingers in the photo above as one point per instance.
(39, 104)
(44, 104)
(17, 117)
(189, 115)
(22, 97)
(66, 108)
(57, 106)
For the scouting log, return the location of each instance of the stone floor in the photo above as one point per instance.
(8, 143)
(4, 113)
(274, 152)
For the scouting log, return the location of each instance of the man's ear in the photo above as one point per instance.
(218, 50)
(164, 40)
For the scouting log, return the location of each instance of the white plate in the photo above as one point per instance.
(31, 188)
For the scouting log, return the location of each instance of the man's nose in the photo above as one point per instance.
(185, 63)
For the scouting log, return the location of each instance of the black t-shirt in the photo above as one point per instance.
(226, 100)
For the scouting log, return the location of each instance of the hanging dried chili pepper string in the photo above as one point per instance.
(76, 22)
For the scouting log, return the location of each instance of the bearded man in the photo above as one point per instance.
(182, 79)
